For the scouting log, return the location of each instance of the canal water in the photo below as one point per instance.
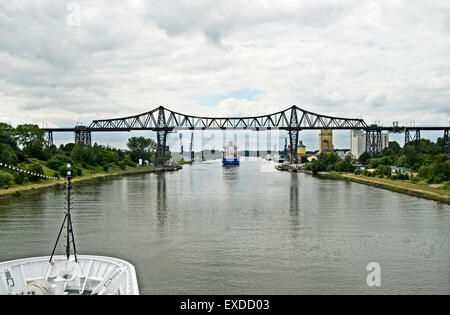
(243, 230)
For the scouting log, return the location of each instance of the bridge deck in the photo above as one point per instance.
(389, 129)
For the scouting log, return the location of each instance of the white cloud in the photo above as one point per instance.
(385, 60)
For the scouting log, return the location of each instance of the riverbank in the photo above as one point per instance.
(17, 190)
(420, 189)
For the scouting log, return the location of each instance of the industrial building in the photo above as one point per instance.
(301, 150)
(358, 142)
(326, 141)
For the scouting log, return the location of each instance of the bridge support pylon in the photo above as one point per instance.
(413, 140)
(83, 135)
(49, 138)
(446, 142)
(161, 149)
(161, 133)
(293, 135)
(293, 138)
(374, 144)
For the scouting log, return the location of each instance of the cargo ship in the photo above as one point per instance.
(230, 155)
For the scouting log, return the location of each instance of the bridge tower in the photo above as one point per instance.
(374, 145)
(83, 135)
(446, 142)
(247, 145)
(413, 140)
(181, 144)
(192, 153)
(161, 133)
(293, 135)
(49, 138)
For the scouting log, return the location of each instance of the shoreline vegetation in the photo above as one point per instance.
(28, 162)
(423, 190)
(420, 169)
(18, 190)
(436, 192)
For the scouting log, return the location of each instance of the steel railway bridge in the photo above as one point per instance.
(293, 120)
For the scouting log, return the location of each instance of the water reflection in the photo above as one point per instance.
(161, 206)
(294, 205)
(230, 172)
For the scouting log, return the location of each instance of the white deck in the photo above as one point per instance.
(94, 275)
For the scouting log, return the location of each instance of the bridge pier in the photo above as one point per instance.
(161, 133)
(247, 145)
(293, 140)
(49, 138)
(415, 140)
(161, 149)
(293, 135)
(374, 144)
(446, 142)
(83, 135)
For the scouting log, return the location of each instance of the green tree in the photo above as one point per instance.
(141, 148)
(394, 147)
(345, 165)
(37, 169)
(384, 170)
(59, 160)
(364, 158)
(7, 135)
(7, 154)
(32, 139)
(402, 161)
(5, 178)
(410, 153)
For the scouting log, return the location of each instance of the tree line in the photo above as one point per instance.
(431, 163)
(25, 147)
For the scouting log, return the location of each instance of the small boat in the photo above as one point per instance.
(230, 155)
(68, 274)
(278, 159)
(268, 157)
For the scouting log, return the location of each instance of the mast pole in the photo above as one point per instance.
(68, 221)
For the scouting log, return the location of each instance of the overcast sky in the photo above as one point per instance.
(382, 60)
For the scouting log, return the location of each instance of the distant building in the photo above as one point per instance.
(326, 141)
(400, 170)
(342, 153)
(358, 142)
(301, 150)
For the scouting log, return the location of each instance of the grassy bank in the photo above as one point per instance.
(421, 189)
(17, 190)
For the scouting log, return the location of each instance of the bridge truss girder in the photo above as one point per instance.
(280, 120)
(163, 121)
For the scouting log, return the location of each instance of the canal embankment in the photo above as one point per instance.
(17, 190)
(422, 190)
(439, 193)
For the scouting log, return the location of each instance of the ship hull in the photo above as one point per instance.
(94, 275)
(228, 162)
